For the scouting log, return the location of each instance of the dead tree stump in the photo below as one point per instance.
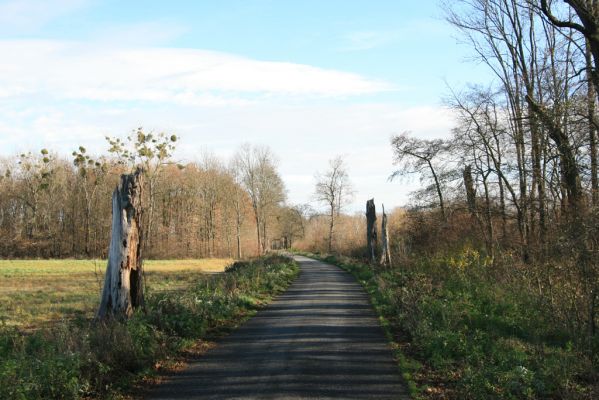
(123, 284)
(371, 236)
(386, 254)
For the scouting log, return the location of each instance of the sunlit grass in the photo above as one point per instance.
(37, 292)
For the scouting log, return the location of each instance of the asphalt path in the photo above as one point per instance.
(318, 340)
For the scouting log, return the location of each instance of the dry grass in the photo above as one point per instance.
(38, 292)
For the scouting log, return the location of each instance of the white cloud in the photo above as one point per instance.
(370, 39)
(75, 70)
(150, 33)
(366, 40)
(304, 137)
(212, 100)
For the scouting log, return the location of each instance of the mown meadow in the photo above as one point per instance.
(35, 293)
(76, 357)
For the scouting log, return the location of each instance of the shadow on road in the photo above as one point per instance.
(320, 339)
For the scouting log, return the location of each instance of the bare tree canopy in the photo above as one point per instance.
(257, 169)
(334, 190)
(413, 155)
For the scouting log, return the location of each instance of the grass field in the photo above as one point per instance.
(86, 359)
(34, 293)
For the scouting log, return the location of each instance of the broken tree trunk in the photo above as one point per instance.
(123, 285)
(386, 254)
(371, 230)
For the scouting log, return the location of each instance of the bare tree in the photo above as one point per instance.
(237, 198)
(91, 173)
(588, 14)
(291, 225)
(420, 156)
(333, 189)
(259, 177)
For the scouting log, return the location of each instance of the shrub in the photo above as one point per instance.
(470, 335)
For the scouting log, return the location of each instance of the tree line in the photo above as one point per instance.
(54, 206)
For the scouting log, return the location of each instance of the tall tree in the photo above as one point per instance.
(291, 225)
(588, 14)
(91, 174)
(259, 176)
(413, 155)
(334, 190)
(237, 197)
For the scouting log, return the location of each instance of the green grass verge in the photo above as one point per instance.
(460, 335)
(83, 359)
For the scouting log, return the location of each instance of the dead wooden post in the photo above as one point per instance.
(386, 254)
(123, 285)
(371, 230)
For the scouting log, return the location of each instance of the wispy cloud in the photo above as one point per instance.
(366, 40)
(361, 40)
(147, 33)
(315, 131)
(18, 16)
(76, 70)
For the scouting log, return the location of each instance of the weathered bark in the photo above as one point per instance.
(238, 235)
(123, 285)
(439, 191)
(331, 230)
(565, 148)
(386, 253)
(371, 236)
(259, 236)
(469, 185)
(592, 128)
(489, 234)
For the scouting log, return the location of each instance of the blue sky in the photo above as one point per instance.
(311, 79)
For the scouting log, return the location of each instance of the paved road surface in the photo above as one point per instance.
(318, 340)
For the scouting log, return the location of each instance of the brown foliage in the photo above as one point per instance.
(44, 210)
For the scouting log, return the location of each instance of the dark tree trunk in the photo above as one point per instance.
(371, 236)
(260, 247)
(470, 193)
(238, 234)
(438, 187)
(592, 128)
(568, 166)
(331, 230)
(123, 285)
(489, 220)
